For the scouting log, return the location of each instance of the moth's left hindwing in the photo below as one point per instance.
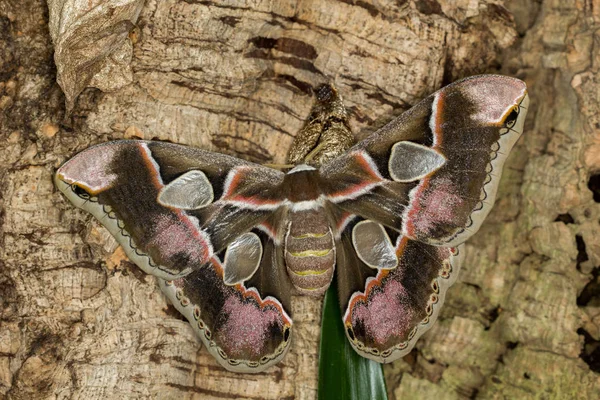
(187, 215)
(245, 326)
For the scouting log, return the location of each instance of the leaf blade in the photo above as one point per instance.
(343, 374)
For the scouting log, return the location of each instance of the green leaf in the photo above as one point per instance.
(343, 374)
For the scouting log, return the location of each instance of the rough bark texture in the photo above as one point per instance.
(77, 320)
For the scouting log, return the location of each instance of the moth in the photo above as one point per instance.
(231, 240)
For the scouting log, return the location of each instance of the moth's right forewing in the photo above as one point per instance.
(440, 193)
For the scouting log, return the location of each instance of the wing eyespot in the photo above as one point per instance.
(446, 270)
(81, 192)
(511, 118)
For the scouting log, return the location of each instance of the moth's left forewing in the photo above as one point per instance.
(119, 183)
(171, 207)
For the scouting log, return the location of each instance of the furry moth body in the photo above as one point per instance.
(230, 240)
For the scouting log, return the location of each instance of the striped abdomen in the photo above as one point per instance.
(310, 251)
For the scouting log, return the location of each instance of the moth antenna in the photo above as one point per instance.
(280, 166)
(314, 152)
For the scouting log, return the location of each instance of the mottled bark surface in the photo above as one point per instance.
(77, 320)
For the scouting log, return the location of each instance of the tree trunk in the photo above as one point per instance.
(78, 320)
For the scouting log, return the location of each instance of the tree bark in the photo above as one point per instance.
(78, 320)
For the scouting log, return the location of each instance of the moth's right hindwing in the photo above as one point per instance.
(387, 312)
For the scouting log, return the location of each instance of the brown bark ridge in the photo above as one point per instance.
(77, 320)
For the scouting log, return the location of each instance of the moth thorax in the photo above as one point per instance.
(310, 251)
